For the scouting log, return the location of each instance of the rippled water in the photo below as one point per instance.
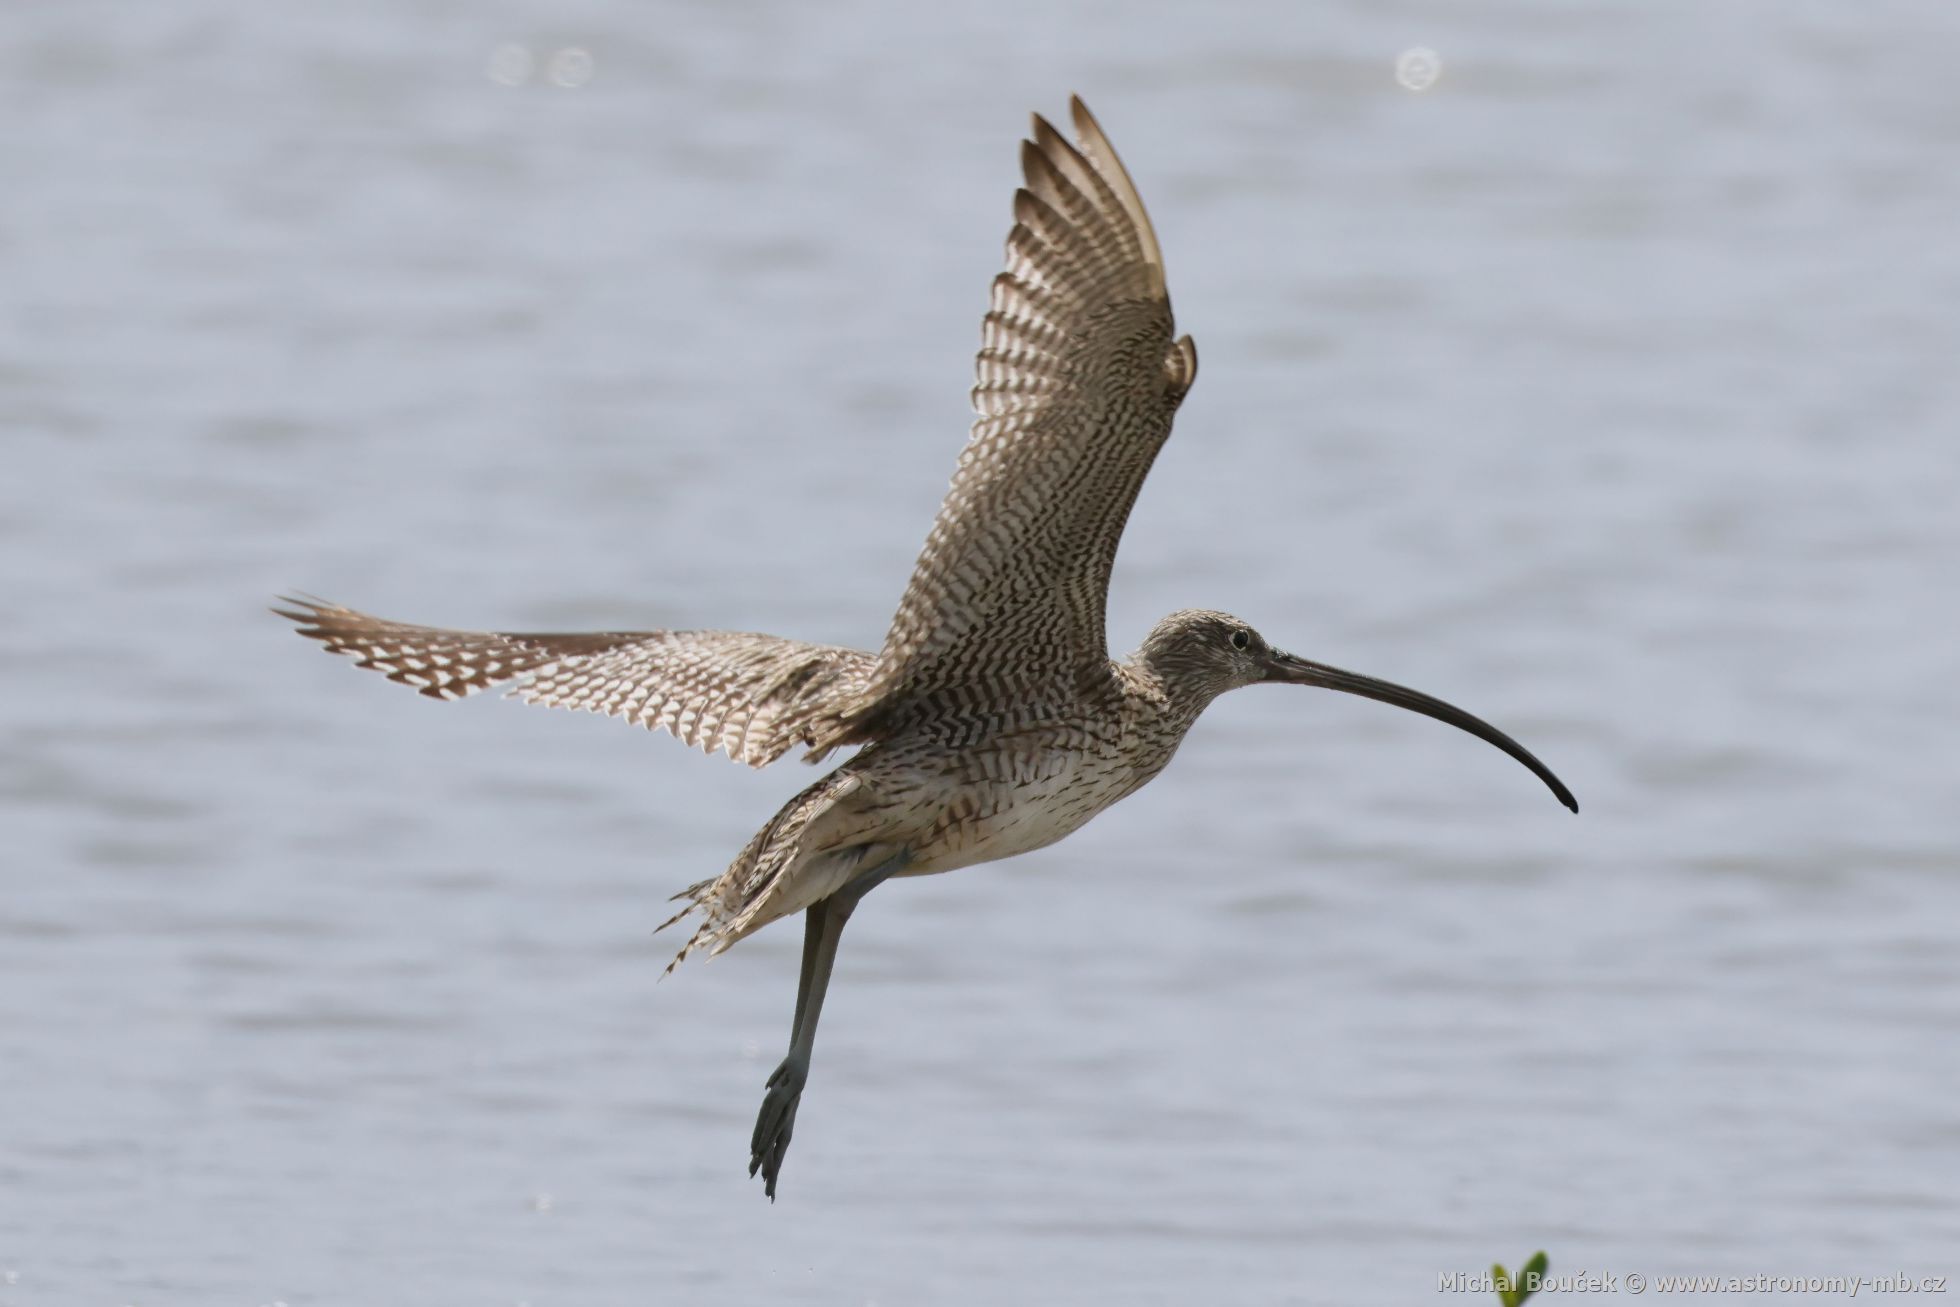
(1605, 387)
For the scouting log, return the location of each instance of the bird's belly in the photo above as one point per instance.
(1006, 810)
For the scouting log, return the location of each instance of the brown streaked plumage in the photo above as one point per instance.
(749, 696)
(993, 718)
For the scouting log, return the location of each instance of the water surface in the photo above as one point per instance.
(1606, 388)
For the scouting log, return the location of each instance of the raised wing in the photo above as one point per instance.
(1078, 378)
(750, 696)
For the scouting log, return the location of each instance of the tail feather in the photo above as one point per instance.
(703, 896)
(798, 858)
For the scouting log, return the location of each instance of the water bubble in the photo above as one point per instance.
(1418, 68)
(509, 64)
(570, 68)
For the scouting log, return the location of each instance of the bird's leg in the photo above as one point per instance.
(778, 1116)
(823, 926)
(812, 933)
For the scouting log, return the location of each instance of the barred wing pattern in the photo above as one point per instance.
(750, 696)
(1078, 379)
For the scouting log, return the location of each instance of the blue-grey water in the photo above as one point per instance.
(1607, 387)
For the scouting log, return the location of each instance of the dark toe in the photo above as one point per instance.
(773, 1127)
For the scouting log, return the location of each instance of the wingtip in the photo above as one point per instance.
(300, 610)
(310, 606)
(1096, 144)
(1030, 151)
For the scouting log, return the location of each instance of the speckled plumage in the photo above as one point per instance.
(993, 719)
(1078, 378)
(750, 696)
(997, 719)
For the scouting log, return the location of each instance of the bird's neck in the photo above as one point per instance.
(1171, 703)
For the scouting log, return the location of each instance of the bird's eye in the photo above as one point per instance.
(1241, 638)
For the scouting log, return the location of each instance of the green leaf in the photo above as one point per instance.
(1533, 1273)
(1511, 1290)
(1507, 1292)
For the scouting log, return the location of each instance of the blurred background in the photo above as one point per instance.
(1604, 386)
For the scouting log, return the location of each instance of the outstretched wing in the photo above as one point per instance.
(1078, 379)
(751, 696)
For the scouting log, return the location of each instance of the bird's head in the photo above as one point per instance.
(1203, 653)
(1198, 655)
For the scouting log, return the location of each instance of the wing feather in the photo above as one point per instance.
(749, 696)
(1078, 377)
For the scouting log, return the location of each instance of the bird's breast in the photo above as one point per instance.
(1016, 792)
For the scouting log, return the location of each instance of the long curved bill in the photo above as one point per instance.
(1289, 670)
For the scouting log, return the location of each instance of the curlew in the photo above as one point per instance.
(993, 721)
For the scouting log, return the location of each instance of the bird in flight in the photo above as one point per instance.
(993, 720)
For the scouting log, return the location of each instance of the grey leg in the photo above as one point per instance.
(812, 932)
(823, 926)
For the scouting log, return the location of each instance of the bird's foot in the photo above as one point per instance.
(775, 1122)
